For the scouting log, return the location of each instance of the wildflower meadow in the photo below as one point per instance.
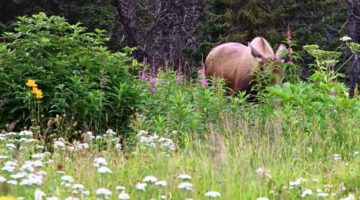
(81, 122)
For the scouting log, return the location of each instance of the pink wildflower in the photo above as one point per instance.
(290, 63)
(143, 75)
(153, 80)
(204, 82)
(179, 78)
(201, 71)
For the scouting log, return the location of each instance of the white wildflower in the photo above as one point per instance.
(10, 146)
(184, 177)
(336, 157)
(38, 194)
(2, 179)
(322, 194)
(81, 146)
(38, 156)
(151, 179)
(12, 182)
(86, 192)
(263, 172)
(117, 146)
(2, 157)
(90, 135)
(111, 133)
(8, 168)
(350, 197)
(297, 182)
(161, 183)
(26, 133)
(104, 170)
(98, 162)
(306, 193)
(18, 175)
(66, 178)
(185, 186)
(36, 163)
(213, 194)
(123, 196)
(59, 144)
(41, 173)
(78, 187)
(32, 179)
(103, 192)
(2, 137)
(142, 132)
(141, 186)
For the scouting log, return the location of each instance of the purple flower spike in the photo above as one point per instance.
(201, 71)
(143, 75)
(153, 80)
(152, 90)
(179, 78)
(204, 82)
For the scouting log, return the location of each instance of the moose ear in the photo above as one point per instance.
(281, 52)
(255, 52)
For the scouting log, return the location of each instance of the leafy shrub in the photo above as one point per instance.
(79, 77)
(322, 103)
(171, 103)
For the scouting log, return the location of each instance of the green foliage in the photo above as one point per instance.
(241, 21)
(77, 74)
(322, 100)
(169, 103)
(92, 13)
(324, 64)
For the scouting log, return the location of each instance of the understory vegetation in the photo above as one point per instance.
(76, 124)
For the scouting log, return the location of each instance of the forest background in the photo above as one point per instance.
(180, 33)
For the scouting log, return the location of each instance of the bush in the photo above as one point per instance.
(321, 105)
(82, 81)
(171, 103)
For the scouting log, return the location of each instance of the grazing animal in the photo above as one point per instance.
(236, 62)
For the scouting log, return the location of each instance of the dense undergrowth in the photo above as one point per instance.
(296, 140)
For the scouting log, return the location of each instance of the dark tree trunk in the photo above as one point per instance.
(354, 65)
(159, 29)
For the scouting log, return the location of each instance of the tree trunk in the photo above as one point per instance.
(159, 29)
(354, 65)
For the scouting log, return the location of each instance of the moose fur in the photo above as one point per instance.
(236, 62)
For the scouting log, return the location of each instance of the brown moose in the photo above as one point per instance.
(236, 62)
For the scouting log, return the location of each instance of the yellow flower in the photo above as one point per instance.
(7, 198)
(31, 83)
(37, 92)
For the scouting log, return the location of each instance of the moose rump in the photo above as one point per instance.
(236, 62)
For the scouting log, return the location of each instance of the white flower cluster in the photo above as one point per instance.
(155, 141)
(264, 173)
(109, 136)
(101, 165)
(26, 174)
(14, 139)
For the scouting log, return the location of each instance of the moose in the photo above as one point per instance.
(236, 62)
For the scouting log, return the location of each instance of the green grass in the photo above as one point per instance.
(223, 161)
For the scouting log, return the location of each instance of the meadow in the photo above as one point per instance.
(78, 124)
